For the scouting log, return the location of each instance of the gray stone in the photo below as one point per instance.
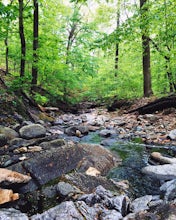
(172, 134)
(106, 133)
(12, 214)
(64, 189)
(32, 131)
(53, 143)
(64, 211)
(8, 133)
(72, 130)
(111, 215)
(162, 172)
(89, 213)
(141, 204)
(51, 164)
(169, 190)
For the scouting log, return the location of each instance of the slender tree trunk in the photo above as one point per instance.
(7, 54)
(35, 45)
(22, 38)
(147, 85)
(117, 44)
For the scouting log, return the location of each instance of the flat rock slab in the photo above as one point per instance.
(87, 184)
(65, 210)
(161, 172)
(51, 164)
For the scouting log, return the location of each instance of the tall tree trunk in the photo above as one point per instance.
(117, 43)
(7, 54)
(22, 38)
(35, 45)
(147, 85)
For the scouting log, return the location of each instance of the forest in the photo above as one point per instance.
(94, 50)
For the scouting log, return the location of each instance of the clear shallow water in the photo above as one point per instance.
(134, 157)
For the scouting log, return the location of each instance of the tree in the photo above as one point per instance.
(22, 38)
(35, 44)
(147, 85)
(117, 43)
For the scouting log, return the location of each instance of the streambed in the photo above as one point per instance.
(134, 157)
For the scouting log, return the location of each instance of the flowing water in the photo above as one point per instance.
(134, 157)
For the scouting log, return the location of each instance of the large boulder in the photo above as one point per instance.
(32, 131)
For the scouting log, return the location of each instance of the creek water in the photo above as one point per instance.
(134, 157)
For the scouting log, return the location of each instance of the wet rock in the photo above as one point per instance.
(98, 157)
(8, 133)
(17, 142)
(168, 189)
(161, 172)
(65, 210)
(50, 164)
(88, 184)
(12, 214)
(141, 204)
(32, 131)
(71, 131)
(3, 140)
(172, 134)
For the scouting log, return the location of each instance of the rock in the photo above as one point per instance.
(7, 195)
(3, 140)
(12, 176)
(64, 189)
(108, 142)
(91, 171)
(54, 143)
(88, 184)
(168, 189)
(106, 133)
(65, 210)
(111, 215)
(98, 157)
(51, 164)
(172, 134)
(32, 131)
(158, 157)
(88, 212)
(141, 204)
(71, 131)
(8, 133)
(161, 172)
(12, 214)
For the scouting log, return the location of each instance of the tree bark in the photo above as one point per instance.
(147, 85)
(117, 43)
(22, 38)
(35, 45)
(7, 54)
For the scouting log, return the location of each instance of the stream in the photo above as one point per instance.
(134, 157)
